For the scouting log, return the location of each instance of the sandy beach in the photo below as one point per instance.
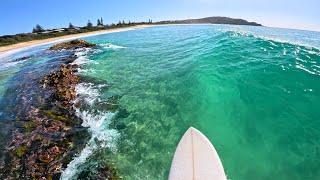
(10, 49)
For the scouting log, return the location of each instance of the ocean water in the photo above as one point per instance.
(253, 91)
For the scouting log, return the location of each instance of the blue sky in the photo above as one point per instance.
(21, 15)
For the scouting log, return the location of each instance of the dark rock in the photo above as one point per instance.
(71, 45)
(39, 147)
(98, 168)
(23, 58)
(63, 82)
(69, 59)
(122, 113)
(47, 133)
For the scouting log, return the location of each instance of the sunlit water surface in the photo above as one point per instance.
(253, 91)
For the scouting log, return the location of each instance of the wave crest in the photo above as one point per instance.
(96, 121)
(111, 46)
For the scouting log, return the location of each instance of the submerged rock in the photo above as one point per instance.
(48, 133)
(63, 83)
(23, 58)
(71, 45)
(103, 168)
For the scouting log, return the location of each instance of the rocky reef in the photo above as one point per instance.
(71, 45)
(48, 133)
(63, 83)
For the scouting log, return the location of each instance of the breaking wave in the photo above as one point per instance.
(96, 121)
(111, 46)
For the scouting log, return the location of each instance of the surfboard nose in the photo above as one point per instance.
(196, 158)
(191, 129)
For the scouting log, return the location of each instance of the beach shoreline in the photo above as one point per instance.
(11, 49)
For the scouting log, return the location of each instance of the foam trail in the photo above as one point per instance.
(299, 66)
(82, 56)
(88, 93)
(11, 64)
(97, 123)
(112, 46)
(270, 38)
(101, 137)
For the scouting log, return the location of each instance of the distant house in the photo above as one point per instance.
(53, 31)
(73, 28)
(60, 30)
(45, 32)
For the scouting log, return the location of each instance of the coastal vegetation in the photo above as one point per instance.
(212, 20)
(39, 32)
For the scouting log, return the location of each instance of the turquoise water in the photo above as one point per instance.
(254, 91)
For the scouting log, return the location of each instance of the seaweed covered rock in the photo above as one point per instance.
(63, 82)
(71, 45)
(39, 150)
(47, 132)
(103, 167)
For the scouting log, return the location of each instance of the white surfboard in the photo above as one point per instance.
(196, 159)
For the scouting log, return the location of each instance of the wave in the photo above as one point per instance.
(87, 92)
(82, 56)
(111, 46)
(8, 63)
(303, 68)
(11, 64)
(96, 121)
(305, 58)
(271, 39)
(101, 137)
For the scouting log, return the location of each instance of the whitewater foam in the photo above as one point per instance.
(302, 67)
(96, 121)
(284, 52)
(81, 55)
(111, 46)
(10, 64)
(88, 93)
(271, 39)
(101, 137)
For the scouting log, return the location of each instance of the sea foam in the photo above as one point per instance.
(111, 46)
(96, 121)
(101, 137)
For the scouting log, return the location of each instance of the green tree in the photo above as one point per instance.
(101, 21)
(89, 24)
(37, 29)
(71, 26)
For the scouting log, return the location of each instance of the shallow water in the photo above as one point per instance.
(254, 91)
